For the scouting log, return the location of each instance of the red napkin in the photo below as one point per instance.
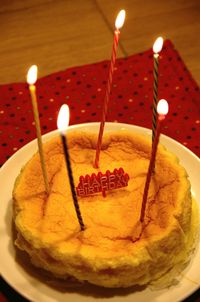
(83, 89)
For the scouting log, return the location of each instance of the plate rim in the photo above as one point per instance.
(85, 125)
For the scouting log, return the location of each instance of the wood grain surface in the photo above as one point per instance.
(56, 34)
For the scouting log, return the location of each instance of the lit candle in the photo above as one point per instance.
(156, 49)
(62, 123)
(162, 110)
(31, 79)
(118, 24)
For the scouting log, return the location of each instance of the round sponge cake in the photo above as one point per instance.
(110, 252)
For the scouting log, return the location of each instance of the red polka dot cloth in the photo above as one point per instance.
(83, 89)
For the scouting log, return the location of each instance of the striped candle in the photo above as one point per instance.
(156, 49)
(62, 123)
(162, 110)
(118, 24)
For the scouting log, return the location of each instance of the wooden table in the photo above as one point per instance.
(56, 34)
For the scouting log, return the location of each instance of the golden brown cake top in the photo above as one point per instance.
(111, 221)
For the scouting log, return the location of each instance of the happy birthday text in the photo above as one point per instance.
(95, 183)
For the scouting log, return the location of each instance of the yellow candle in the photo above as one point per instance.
(31, 79)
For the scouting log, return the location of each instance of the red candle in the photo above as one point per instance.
(162, 110)
(118, 24)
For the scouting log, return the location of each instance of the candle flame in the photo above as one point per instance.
(158, 44)
(32, 75)
(120, 19)
(63, 118)
(162, 107)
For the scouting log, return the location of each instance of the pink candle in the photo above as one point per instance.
(118, 24)
(162, 110)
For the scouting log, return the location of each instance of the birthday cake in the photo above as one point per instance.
(114, 250)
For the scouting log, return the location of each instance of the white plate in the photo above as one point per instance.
(33, 288)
